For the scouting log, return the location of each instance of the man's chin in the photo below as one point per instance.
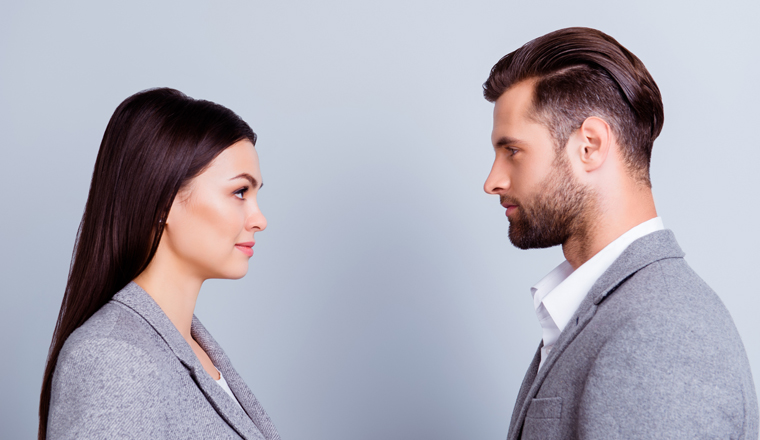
(518, 237)
(527, 239)
(525, 245)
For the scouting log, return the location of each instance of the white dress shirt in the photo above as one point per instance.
(557, 296)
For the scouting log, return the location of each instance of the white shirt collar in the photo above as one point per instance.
(557, 296)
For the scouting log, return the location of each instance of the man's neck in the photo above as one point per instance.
(613, 217)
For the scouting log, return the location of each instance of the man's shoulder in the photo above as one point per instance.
(668, 315)
(667, 292)
(664, 340)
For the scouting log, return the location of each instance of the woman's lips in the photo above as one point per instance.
(246, 248)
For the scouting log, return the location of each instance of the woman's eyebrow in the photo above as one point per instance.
(250, 178)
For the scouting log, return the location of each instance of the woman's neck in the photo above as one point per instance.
(174, 291)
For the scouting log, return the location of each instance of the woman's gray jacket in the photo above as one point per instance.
(128, 373)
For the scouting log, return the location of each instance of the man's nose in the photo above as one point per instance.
(497, 181)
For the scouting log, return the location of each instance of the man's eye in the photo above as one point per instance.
(512, 151)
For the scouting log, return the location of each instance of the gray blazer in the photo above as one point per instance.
(651, 353)
(128, 373)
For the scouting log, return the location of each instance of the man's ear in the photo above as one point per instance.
(593, 142)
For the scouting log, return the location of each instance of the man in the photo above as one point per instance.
(635, 344)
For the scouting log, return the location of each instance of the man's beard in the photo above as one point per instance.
(560, 209)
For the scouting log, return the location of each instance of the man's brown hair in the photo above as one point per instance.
(582, 72)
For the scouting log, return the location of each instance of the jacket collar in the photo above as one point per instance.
(654, 247)
(646, 250)
(241, 391)
(134, 297)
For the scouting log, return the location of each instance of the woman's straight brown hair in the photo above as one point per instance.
(155, 143)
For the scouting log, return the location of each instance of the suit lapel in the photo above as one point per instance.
(134, 297)
(641, 253)
(254, 411)
(585, 313)
(522, 396)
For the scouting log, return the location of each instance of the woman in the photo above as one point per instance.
(172, 203)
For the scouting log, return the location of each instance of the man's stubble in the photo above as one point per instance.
(560, 209)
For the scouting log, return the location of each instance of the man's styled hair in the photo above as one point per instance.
(579, 73)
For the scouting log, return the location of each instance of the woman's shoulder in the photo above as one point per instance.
(110, 377)
(114, 334)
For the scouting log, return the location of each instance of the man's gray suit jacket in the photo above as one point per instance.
(128, 373)
(651, 353)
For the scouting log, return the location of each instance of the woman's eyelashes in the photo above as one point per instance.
(241, 192)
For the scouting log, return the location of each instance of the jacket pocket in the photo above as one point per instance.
(542, 419)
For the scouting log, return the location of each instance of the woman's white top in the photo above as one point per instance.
(223, 383)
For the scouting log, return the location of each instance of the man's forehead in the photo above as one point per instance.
(511, 113)
(516, 101)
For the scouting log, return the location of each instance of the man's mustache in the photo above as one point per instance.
(506, 200)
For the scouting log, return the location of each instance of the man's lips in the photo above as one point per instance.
(246, 248)
(510, 208)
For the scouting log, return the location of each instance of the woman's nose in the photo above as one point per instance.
(257, 221)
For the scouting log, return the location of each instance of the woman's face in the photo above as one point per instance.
(210, 229)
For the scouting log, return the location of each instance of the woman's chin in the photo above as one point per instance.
(238, 272)
(229, 272)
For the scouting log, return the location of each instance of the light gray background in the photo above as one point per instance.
(384, 300)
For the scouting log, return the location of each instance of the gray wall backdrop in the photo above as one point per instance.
(384, 300)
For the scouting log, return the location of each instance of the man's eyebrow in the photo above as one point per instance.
(506, 140)
(250, 178)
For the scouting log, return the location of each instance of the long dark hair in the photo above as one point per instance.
(156, 141)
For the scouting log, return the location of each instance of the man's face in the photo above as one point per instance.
(545, 203)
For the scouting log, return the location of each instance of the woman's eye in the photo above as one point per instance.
(239, 193)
